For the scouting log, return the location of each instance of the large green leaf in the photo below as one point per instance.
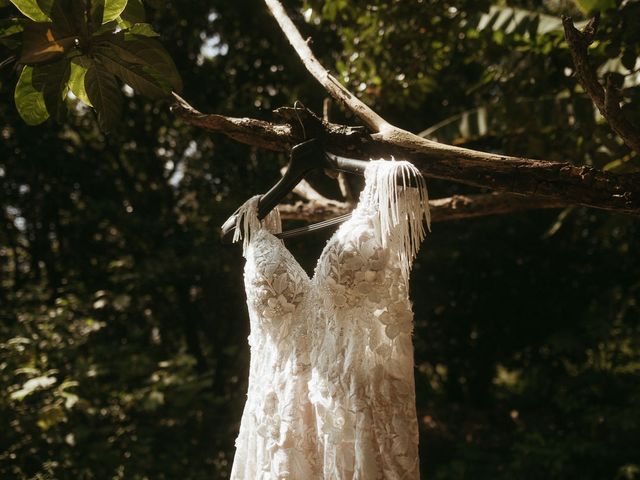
(52, 79)
(43, 42)
(105, 95)
(146, 52)
(62, 15)
(141, 78)
(108, 10)
(33, 9)
(76, 81)
(29, 100)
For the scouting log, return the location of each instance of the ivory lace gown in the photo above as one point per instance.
(331, 387)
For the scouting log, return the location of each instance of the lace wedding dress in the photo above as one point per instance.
(331, 388)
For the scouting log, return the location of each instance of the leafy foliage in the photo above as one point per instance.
(103, 40)
(123, 331)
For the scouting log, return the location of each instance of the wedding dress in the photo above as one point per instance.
(331, 387)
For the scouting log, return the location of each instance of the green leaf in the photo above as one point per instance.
(62, 16)
(147, 52)
(110, 10)
(32, 9)
(132, 14)
(141, 78)
(52, 80)
(493, 119)
(30, 101)
(43, 42)
(107, 28)
(33, 385)
(510, 21)
(10, 26)
(105, 95)
(76, 81)
(588, 6)
(143, 29)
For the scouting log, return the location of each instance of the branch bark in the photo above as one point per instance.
(559, 183)
(606, 99)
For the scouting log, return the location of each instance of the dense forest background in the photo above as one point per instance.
(123, 351)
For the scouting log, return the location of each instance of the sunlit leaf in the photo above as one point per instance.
(144, 30)
(33, 385)
(30, 101)
(76, 81)
(105, 95)
(32, 9)
(108, 10)
(511, 20)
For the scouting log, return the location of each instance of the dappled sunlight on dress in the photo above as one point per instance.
(331, 387)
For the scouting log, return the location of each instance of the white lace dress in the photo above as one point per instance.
(331, 387)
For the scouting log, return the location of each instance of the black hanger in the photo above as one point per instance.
(304, 157)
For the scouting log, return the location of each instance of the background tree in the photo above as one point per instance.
(123, 331)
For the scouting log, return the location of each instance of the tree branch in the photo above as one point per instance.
(244, 130)
(561, 183)
(443, 209)
(606, 99)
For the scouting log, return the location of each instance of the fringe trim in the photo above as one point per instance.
(402, 209)
(247, 223)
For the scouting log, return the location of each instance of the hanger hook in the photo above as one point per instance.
(295, 109)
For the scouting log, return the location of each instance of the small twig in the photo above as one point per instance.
(606, 99)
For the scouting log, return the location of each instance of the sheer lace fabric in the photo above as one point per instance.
(331, 387)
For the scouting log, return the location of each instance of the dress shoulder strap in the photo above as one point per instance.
(247, 223)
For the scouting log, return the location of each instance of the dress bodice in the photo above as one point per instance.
(331, 355)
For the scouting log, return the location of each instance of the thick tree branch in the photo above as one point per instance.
(606, 99)
(443, 209)
(561, 183)
(244, 130)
